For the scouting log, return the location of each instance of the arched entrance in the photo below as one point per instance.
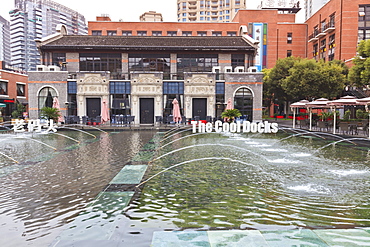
(244, 102)
(46, 96)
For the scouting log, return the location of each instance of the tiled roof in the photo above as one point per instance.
(84, 42)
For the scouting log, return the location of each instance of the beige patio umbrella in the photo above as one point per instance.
(345, 100)
(296, 105)
(319, 103)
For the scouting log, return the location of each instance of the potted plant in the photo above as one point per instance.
(50, 113)
(230, 115)
(18, 112)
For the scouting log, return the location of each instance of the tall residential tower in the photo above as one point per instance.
(4, 41)
(208, 10)
(35, 19)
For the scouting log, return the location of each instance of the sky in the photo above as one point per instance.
(127, 10)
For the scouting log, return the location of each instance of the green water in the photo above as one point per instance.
(261, 183)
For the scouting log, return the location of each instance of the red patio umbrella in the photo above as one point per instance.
(104, 112)
(57, 106)
(176, 111)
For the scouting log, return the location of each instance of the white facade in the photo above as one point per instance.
(35, 19)
(4, 41)
(208, 10)
(311, 6)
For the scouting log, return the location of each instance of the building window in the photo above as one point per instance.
(186, 33)
(111, 33)
(231, 33)
(96, 32)
(184, 19)
(172, 90)
(157, 33)
(46, 96)
(216, 33)
(289, 38)
(58, 59)
(150, 62)
(331, 51)
(323, 49)
(244, 102)
(196, 62)
(289, 53)
(202, 33)
(111, 62)
(227, 17)
(3, 88)
(201, 18)
(141, 33)
(120, 92)
(315, 51)
(237, 60)
(364, 22)
(126, 33)
(171, 33)
(21, 89)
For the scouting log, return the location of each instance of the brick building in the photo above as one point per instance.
(335, 30)
(13, 89)
(140, 76)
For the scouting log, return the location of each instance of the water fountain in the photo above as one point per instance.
(196, 187)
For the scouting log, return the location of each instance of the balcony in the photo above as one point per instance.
(329, 27)
(318, 33)
(312, 38)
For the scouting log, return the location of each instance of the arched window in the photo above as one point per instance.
(46, 96)
(244, 102)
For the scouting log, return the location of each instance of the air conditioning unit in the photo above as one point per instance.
(252, 69)
(228, 69)
(53, 68)
(216, 69)
(239, 69)
(42, 68)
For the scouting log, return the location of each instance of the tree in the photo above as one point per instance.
(359, 74)
(18, 112)
(50, 113)
(309, 79)
(230, 114)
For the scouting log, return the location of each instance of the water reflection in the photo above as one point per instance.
(38, 200)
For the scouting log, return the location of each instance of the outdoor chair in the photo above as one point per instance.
(130, 119)
(159, 119)
(321, 125)
(344, 127)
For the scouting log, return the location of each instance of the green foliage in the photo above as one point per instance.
(361, 114)
(347, 115)
(18, 112)
(293, 79)
(311, 79)
(359, 74)
(231, 114)
(50, 113)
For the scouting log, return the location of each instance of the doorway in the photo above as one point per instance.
(93, 107)
(200, 108)
(146, 110)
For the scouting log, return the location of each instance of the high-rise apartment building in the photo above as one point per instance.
(4, 40)
(208, 10)
(312, 6)
(151, 16)
(35, 19)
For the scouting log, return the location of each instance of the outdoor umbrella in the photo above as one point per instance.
(229, 106)
(105, 112)
(345, 100)
(176, 111)
(57, 106)
(319, 103)
(294, 106)
(2, 105)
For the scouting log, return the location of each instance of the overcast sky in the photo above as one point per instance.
(127, 10)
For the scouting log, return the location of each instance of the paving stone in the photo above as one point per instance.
(236, 238)
(344, 237)
(130, 174)
(293, 238)
(180, 239)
